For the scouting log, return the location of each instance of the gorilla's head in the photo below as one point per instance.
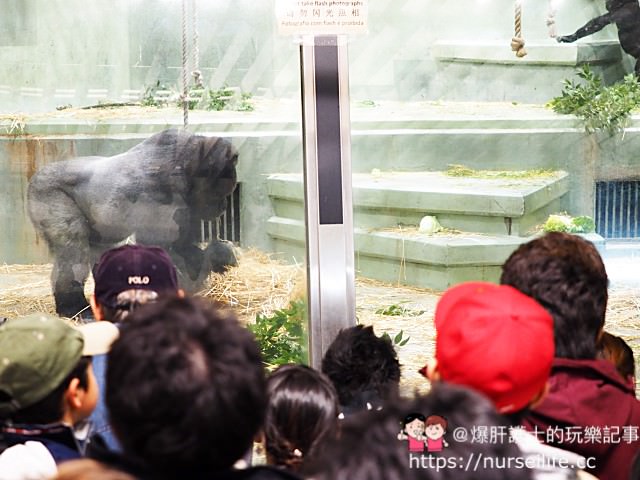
(615, 4)
(211, 173)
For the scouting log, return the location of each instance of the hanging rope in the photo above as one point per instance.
(551, 19)
(517, 42)
(197, 74)
(185, 86)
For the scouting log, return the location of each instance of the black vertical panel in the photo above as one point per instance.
(617, 214)
(598, 209)
(328, 130)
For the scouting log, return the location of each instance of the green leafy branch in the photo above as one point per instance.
(398, 340)
(283, 336)
(568, 224)
(605, 108)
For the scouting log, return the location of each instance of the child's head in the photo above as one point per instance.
(45, 369)
(185, 387)
(495, 340)
(302, 413)
(128, 276)
(363, 368)
(616, 350)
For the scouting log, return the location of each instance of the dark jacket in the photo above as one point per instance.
(58, 438)
(591, 397)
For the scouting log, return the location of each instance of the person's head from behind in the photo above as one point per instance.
(566, 275)
(363, 368)
(495, 340)
(185, 387)
(369, 447)
(617, 351)
(302, 414)
(128, 276)
(45, 372)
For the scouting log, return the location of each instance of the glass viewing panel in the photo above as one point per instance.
(457, 153)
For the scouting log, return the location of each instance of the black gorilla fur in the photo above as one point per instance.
(158, 191)
(626, 15)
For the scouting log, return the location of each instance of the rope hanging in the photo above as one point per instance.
(551, 19)
(196, 73)
(185, 86)
(517, 42)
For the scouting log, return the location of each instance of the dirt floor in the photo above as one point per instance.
(259, 285)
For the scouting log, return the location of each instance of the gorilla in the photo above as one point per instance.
(157, 192)
(626, 15)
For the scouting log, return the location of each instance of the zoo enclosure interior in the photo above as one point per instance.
(433, 84)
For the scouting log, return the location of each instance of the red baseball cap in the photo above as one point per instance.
(496, 340)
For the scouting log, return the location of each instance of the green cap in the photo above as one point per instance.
(38, 351)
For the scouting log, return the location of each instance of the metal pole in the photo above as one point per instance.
(328, 191)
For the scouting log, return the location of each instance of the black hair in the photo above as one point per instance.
(369, 448)
(363, 368)
(616, 350)
(51, 408)
(302, 414)
(566, 275)
(185, 387)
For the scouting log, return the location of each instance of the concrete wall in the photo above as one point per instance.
(56, 52)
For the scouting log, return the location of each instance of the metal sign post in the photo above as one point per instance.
(323, 27)
(328, 194)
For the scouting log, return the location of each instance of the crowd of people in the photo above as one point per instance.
(525, 384)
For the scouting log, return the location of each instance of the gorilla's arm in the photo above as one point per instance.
(592, 26)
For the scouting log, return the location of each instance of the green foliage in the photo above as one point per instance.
(196, 96)
(584, 224)
(606, 108)
(396, 310)
(283, 336)
(398, 340)
(219, 99)
(568, 224)
(246, 104)
(14, 125)
(152, 98)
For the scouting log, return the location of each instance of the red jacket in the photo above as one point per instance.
(590, 395)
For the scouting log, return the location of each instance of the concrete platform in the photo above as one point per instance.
(501, 206)
(409, 257)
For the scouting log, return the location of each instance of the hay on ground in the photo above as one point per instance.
(259, 284)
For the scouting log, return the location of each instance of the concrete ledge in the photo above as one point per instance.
(410, 258)
(427, 261)
(435, 192)
(539, 53)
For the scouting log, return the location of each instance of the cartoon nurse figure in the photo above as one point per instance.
(434, 430)
(413, 431)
